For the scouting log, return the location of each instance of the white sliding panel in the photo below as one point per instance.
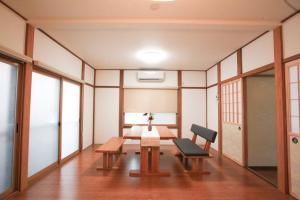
(212, 112)
(107, 77)
(70, 119)
(290, 34)
(106, 114)
(212, 75)
(193, 79)
(229, 67)
(193, 110)
(87, 134)
(258, 53)
(89, 74)
(13, 30)
(44, 119)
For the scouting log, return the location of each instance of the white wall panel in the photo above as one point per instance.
(13, 30)
(50, 53)
(212, 75)
(212, 112)
(193, 79)
(291, 39)
(106, 114)
(130, 80)
(258, 53)
(88, 116)
(229, 67)
(107, 77)
(89, 74)
(193, 110)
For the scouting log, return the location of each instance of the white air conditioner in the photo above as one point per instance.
(151, 76)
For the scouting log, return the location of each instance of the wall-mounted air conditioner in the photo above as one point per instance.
(151, 76)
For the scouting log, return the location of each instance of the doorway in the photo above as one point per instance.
(261, 126)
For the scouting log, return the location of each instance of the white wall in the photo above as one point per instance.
(212, 75)
(107, 77)
(88, 112)
(106, 114)
(193, 110)
(193, 79)
(229, 67)
(89, 74)
(258, 53)
(212, 112)
(13, 30)
(130, 80)
(291, 39)
(50, 53)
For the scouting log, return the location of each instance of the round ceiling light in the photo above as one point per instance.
(152, 56)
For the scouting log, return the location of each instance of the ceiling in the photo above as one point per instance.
(195, 33)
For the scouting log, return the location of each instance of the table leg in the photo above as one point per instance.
(144, 160)
(155, 159)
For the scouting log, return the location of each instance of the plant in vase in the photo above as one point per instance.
(150, 118)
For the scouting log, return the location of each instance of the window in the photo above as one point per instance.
(162, 103)
(292, 87)
(232, 102)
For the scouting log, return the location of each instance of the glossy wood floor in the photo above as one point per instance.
(78, 179)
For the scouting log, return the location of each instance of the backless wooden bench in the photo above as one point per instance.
(111, 148)
(190, 150)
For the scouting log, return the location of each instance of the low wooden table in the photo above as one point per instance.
(150, 149)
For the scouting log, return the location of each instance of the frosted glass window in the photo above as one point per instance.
(293, 74)
(294, 107)
(8, 85)
(44, 119)
(159, 118)
(70, 118)
(295, 124)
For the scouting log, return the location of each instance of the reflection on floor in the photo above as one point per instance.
(79, 179)
(268, 173)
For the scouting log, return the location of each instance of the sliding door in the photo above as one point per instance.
(8, 98)
(70, 118)
(44, 122)
(232, 121)
(293, 117)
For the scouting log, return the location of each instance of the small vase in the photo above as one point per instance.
(149, 126)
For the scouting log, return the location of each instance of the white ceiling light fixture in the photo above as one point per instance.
(152, 56)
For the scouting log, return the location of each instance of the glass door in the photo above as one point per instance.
(8, 101)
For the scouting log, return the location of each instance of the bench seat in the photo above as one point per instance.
(189, 148)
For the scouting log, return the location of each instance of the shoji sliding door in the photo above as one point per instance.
(44, 122)
(293, 117)
(8, 99)
(70, 118)
(232, 121)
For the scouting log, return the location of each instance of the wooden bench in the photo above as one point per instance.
(190, 150)
(110, 149)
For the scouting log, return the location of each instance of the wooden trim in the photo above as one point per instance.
(81, 110)
(69, 157)
(245, 121)
(213, 85)
(139, 69)
(107, 86)
(179, 105)
(121, 103)
(34, 178)
(89, 84)
(14, 11)
(290, 16)
(13, 54)
(94, 103)
(281, 125)
(83, 71)
(206, 107)
(239, 62)
(220, 142)
(61, 91)
(26, 100)
(56, 71)
(203, 88)
(259, 70)
(140, 88)
(291, 58)
(231, 79)
(63, 46)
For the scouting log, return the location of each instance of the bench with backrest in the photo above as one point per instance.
(111, 148)
(190, 150)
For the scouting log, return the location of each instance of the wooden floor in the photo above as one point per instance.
(78, 179)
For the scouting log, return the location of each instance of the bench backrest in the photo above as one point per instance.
(207, 134)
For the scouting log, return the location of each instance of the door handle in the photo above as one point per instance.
(295, 140)
(239, 128)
